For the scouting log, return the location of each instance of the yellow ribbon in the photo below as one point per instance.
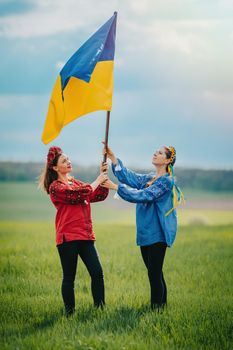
(178, 196)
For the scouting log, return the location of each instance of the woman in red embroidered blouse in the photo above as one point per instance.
(74, 232)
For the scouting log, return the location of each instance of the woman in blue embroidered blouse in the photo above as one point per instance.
(156, 196)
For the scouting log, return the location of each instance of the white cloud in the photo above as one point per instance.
(183, 36)
(140, 7)
(169, 37)
(37, 23)
(51, 18)
(152, 26)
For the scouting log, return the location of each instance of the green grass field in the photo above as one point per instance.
(198, 271)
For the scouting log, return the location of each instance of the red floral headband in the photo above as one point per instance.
(52, 154)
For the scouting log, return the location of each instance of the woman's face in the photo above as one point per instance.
(64, 165)
(159, 157)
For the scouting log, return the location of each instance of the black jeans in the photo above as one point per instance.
(69, 252)
(153, 257)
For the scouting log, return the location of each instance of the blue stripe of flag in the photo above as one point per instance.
(99, 47)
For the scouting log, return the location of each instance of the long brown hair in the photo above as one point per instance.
(48, 175)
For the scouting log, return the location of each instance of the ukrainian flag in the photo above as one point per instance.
(85, 83)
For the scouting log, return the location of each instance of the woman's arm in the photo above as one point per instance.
(149, 194)
(129, 177)
(100, 194)
(100, 179)
(123, 174)
(62, 193)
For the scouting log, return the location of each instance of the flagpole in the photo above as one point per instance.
(106, 134)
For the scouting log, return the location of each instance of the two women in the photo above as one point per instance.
(156, 196)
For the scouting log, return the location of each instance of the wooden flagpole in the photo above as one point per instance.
(106, 134)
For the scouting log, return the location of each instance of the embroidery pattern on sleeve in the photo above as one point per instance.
(160, 189)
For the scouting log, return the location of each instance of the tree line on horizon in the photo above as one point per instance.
(198, 179)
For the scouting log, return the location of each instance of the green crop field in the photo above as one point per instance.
(198, 271)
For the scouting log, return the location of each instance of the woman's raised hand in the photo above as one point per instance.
(99, 180)
(109, 152)
(102, 178)
(110, 185)
(103, 167)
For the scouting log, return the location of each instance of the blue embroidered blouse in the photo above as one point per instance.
(152, 203)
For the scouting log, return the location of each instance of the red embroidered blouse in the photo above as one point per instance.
(73, 218)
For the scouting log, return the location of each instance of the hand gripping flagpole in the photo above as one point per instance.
(106, 135)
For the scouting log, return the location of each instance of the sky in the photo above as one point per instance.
(173, 79)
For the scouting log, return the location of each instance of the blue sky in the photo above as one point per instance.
(173, 79)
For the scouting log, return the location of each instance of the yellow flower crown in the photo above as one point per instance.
(173, 153)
